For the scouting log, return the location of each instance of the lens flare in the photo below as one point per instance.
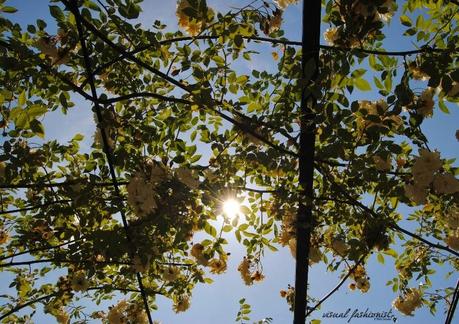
(231, 208)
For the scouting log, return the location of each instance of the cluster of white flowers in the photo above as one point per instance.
(4, 236)
(248, 275)
(181, 303)
(289, 295)
(187, 177)
(142, 188)
(273, 23)
(425, 103)
(139, 265)
(426, 171)
(216, 265)
(411, 301)
(192, 25)
(282, 4)
(339, 246)
(377, 108)
(170, 273)
(124, 312)
(361, 280)
(452, 220)
(141, 195)
(358, 12)
(48, 46)
(417, 72)
(331, 35)
(79, 281)
(382, 164)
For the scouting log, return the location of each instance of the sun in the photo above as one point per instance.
(231, 208)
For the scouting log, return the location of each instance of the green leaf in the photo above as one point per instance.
(22, 98)
(443, 107)
(38, 128)
(238, 41)
(210, 230)
(380, 258)
(9, 9)
(406, 21)
(57, 13)
(362, 84)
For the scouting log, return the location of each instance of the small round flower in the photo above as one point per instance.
(275, 22)
(425, 103)
(244, 269)
(257, 276)
(186, 176)
(331, 35)
(141, 195)
(339, 246)
(282, 4)
(217, 266)
(315, 256)
(47, 46)
(4, 236)
(446, 183)
(453, 240)
(170, 273)
(182, 304)
(62, 317)
(382, 164)
(197, 252)
(139, 265)
(363, 284)
(412, 300)
(79, 281)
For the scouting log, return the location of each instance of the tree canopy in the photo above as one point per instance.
(187, 131)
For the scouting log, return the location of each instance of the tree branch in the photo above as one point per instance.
(338, 286)
(390, 225)
(59, 184)
(453, 305)
(145, 95)
(272, 41)
(37, 250)
(4, 212)
(29, 303)
(30, 262)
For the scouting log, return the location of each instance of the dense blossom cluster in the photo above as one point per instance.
(79, 281)
(249, 272)
(426, 171)
(192, 25)
(361, 279)
(289, 295)
(358, 21)
(411, 301)
(181, 303)
(282, 4)
(48, 45)
(125, 313)
(376, 114)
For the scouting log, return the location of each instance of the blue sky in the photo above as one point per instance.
(218, 303)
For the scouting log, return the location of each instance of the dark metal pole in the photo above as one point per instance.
(310, 63)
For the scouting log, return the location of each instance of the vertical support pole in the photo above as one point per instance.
(309, 60)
